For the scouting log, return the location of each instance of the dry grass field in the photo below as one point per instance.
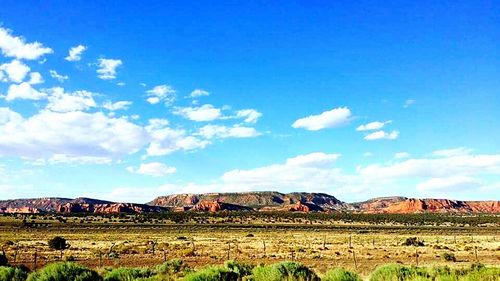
(359, 247)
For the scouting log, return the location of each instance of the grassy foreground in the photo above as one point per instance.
(235, 271)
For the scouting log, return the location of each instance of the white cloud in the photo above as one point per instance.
(35, 78)
(250, 115)
(72, 134)
(198, 93)
(75, 53)
(408, 103)
(65, 102)
(378, 135)
(328, 119)
(401, 155)
(377, 125)
(161, 93)
(165, 140)
(107, 68)
(58, 76)
(313, 172)
(206, 112)
(119, 105)
(15, 70)
(452, 152)
(315, 159)
(23, 91)
(155, 169)
(218, 131)
(450, 184)
(318, 172)
(74, 160)
(15, 46)
(367, 154)
(445, 166)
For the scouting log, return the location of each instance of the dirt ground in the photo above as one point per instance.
(360, 250)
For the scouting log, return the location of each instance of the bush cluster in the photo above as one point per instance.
(235, 271)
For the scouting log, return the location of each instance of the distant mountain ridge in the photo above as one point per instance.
(256, 200)
(249, 201)
(77, 205)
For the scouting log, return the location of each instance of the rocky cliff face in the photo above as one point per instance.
(214, 206)
(402, 205)
(109, 208)
(250, 201)
(257, 200)
(78, 205)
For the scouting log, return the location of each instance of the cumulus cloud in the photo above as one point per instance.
(23, 91)
(160, 93)
(379, 135)
(313, 171)
(452, 152)
(249, 115)
(206, 112)
(73, 160)
(165, 140)
(75, 53)
(328, 119)
(65, 102)
(16, 71)
(72, 134)
(377, 125)
(437, 167)
(198, 93)
(318, 172)
(450, 184)
(219, 131)
(35, 78)
(107, 68)
(16, 47)
(119, 105)
(401, 155)
(58, 76)
(155, 169)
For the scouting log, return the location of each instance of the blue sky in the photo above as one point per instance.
(128, 102)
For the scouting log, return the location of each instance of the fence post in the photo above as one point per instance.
(355, 262)
(416, 256)
(228, 250)
(35, 260)
(264, 242)
(350, 241)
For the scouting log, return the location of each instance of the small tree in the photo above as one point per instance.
(449, 257)
(58, 243)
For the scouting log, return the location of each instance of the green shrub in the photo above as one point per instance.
(128, 274)
(287, 270)
(340, 274)
(171, 267)
(479, 272)
(239, 268)
(12, 274)
(63, 271)
(393, 272)
(213, 273)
